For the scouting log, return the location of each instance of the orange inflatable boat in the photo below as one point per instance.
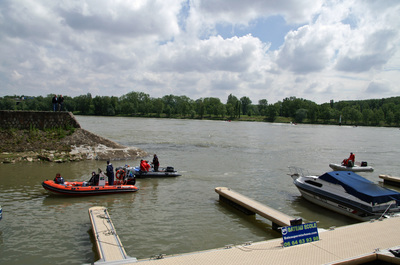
(80, 188)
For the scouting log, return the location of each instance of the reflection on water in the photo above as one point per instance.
(178, 215)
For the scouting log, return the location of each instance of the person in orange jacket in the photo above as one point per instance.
(352, 158)
(144, 166)
(349, 162)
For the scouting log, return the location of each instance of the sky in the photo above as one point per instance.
(319, 50)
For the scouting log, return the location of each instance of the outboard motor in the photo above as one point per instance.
(131, 181)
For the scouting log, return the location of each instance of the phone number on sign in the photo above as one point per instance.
(300, 241)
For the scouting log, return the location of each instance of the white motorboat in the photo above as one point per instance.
(358, 167)
(347, 193)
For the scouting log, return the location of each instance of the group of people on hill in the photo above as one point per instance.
(58, 103)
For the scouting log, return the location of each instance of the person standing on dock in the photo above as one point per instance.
(156, 163)
(110, 173)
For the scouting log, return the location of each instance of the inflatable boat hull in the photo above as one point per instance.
(77, 188)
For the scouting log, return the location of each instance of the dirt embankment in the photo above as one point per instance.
(61, 146)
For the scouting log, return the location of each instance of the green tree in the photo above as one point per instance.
(246, 103)
(158, 106)
(396, 114)
(200, 109)
(103, 106)
(367, 116)
(313, 112)
(7, 103)
(233, 106)
(272, 112)
(378, 117)
(389, 117)
(83, 103)
(130, 103)
(262, 107)
(144, 105)
(213, 106)
(301, 114)
(183, 105)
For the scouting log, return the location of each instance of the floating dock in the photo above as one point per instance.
(108, 243)
(251, 206)
(391, 180)
(377, 240)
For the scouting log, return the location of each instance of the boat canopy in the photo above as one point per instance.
(360, 187)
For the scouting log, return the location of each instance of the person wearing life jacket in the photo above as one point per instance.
(141, 165)
(349, 162)
(352, 158)
(147, 166)
(58, 179)
(144, 166)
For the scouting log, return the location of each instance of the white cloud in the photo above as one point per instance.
(213, 54)
(241, 12)
(379, 88)
(309, 49)
(335, 50)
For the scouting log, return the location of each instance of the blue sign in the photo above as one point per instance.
(299, 234)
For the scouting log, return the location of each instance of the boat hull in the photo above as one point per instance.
(152, 174)
(167, 172)
(79, 189)
(336, 206)
(355, 168)
(348, 194)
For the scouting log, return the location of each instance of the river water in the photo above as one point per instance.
(183, 214)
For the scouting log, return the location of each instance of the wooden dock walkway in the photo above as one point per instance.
(277, 218)
(108, 243)
(354, 244)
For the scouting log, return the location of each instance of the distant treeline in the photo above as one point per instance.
(371, 112)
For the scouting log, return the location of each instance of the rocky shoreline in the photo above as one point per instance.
(20, 145)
